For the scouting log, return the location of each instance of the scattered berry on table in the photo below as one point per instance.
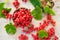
(51, 31)
(29, 29)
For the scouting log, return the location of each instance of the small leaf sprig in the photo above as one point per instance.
(42, 34)
(10, 28)
(2, 8)
(49, 10)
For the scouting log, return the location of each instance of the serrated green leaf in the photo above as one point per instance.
(42, 34)
(10, 28)
(37, 13)
(49, 10)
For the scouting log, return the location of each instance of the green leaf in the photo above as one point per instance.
(10, 28)
(37, 13)
(1, 8)
(36, 3)
(49, 10)
(2, 15)
(42, 34)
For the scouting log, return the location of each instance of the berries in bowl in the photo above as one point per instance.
(22, 17)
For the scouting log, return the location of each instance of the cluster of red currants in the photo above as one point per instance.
(22, 17)
(6, 14)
